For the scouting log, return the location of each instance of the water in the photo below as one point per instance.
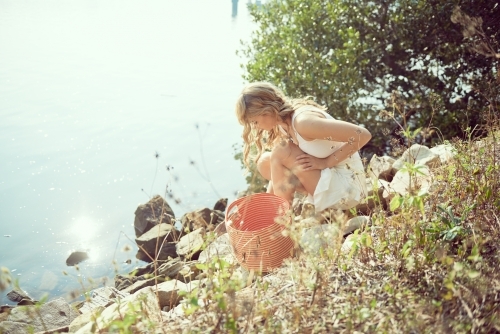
(90, 92)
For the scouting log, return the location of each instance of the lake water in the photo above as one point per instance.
(90, 92)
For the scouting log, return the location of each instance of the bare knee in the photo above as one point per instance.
(281, 153)
(264, 165)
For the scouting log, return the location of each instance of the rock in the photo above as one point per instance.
(51, 315)
(201, 218)
(189, 247)
(318, 238)
(167, 293)
(356, 223)
(373, 198)
(76, 257)
(102, 297)
(387, 192)
(349, 243)
(446, 152)
(221, 205)
(143, 301)
(150, 241)
(168, 251)
(180, 270)
(121, 282)
(16, 295)
(140, 284)
(27, 301)
(381, 168)
(220, 229)
(403, 184)
(154, 212)
(85, 318)
(221, 248)
(11, 327)
(170, 268)
(418, 155)
(4, 312)
(63, 329)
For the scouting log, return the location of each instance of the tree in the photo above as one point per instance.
(351, 54)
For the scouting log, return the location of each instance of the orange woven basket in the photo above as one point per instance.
(255, 224)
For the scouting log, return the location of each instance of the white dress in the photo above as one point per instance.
(340, 187)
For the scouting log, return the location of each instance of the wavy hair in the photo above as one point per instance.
(260, 98)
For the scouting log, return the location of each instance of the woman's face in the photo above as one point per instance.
(264, 122)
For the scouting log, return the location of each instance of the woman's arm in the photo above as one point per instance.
(313, 126)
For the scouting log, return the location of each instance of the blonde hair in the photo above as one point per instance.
(260, 98)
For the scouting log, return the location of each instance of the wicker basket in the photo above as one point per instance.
(255, 224)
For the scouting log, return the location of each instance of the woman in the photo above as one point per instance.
(311, 151)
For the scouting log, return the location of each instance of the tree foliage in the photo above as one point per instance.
(351, 55)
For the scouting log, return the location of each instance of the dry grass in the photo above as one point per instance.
(407, 273)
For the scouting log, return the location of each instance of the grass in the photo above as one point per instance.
(428, 264)
(411, 272)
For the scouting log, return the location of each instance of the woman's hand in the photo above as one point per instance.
(309, 162)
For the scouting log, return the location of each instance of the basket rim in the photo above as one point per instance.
(228, 213)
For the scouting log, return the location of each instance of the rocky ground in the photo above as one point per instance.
(182, 260)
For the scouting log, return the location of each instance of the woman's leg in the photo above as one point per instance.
(288, 177)
(264, 168)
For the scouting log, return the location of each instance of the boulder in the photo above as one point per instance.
(150, 242)
(154, 212)
(373, 198)
(221, 205)
(16, 295)
(189, 247)
(167, 251)
(318, 238)
(85, 318)
(418, 155)
(404, 184)
(76, 257)
(141, 302)
(201, 218)
(54, 314)
(102, 297)
(12, 327)
(221, 248)
(446, 152)
(180, 270)
(141, 284)
(167, 293)
(381, 168)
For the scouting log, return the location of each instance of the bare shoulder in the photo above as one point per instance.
(308, 116)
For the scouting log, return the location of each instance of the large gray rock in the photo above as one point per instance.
(446, 152)
(154, 212)
(54, 314)
(403, 183)
(85, 318)
(418, 155)
(141, 302)
(150, 242)
(11, 327)
(102, 297)
(189, 247)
